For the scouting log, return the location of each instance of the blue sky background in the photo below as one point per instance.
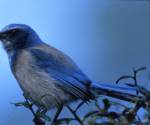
(106, 38)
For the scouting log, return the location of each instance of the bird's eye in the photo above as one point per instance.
(14, 31)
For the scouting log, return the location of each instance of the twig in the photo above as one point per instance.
(81, 104)
(37, 119)
(75, 115)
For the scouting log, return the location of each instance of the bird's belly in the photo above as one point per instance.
(40, 87)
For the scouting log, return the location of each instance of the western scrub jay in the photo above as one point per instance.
(47, 76)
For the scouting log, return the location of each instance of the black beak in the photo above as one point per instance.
(2, 35)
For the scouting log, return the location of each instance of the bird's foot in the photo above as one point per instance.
(41, 113)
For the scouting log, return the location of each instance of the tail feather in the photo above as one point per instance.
(121, 92)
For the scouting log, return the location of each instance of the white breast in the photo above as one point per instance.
(38, 85)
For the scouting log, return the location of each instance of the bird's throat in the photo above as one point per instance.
(8, 47)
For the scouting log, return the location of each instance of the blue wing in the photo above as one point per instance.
(70, 78)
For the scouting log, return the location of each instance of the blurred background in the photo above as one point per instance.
(106, 38)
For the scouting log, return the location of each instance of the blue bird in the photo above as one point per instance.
(47, 76)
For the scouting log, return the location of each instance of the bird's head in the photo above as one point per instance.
(18, 36)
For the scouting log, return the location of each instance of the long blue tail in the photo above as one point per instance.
(121, 92)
